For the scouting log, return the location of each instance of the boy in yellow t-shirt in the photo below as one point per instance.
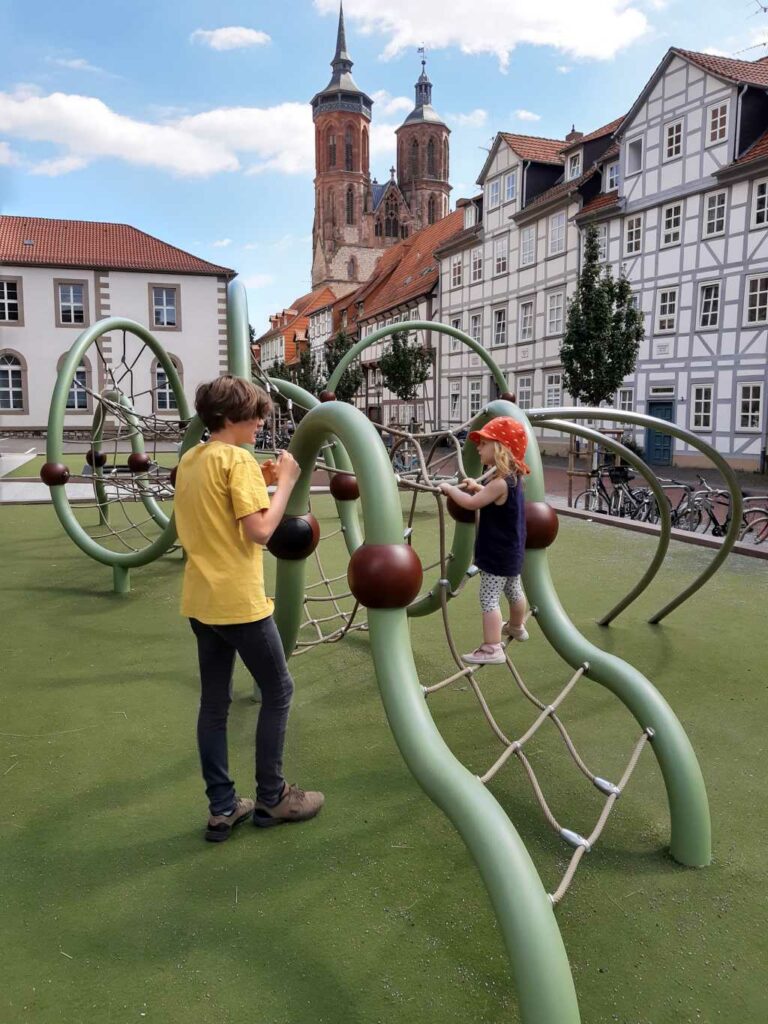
(224, 518)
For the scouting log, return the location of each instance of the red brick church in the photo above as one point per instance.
(356, 217)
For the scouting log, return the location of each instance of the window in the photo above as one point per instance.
(701, 407)
(528, 246)
(714, 214)
(626, 399)
(456, 269)
(612, 177)
(454, 399)
(11, 383)
(500, 327)
(10, 301)
(555, 313)
(750, 406)
(77, 398)
(510, 187)
(454, 343)
(526, 321)
(165, 303)
(470, 215)
(350, 204)
(525, 392)
(553, 387)
(431, 210)
(501, 247)
(757, 300)
(331, 150)
(71, 310)
(431, 166)
(165, 399)
(709, 305)
(672, 219)
(667, 310)
(574, 165)
(475, 326)
(414, 159)
(477, 264)
(557, 233)
(635, 156)
(348, 150)
(494, 193)
(717, 129)
(351, 268)
(634, 238)
(760, 211)
(673, 140)
(475, 396)
(602, 242)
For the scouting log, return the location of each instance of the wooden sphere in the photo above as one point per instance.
(96, 458)
(139, 462)
(295, 538)
(172, 476)
(54, 474)
(455, 511)
(385, 575)
(508, 397)
(541, 524)
(327, 396)
(344, 487)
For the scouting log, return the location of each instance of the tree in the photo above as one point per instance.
(602, 333)
(352, 378)
(405, 366)
(308, 374)
(280, 370)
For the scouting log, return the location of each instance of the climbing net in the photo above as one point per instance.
(128, 453)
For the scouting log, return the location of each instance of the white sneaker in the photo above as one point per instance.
(486, 654)
(516, 632)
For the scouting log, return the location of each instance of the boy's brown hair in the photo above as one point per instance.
(230, 398)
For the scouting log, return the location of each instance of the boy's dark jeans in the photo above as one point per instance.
(258, 644)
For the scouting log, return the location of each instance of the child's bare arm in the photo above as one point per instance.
(259, 526)
(492, 491)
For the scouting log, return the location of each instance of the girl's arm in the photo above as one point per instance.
(492, 491)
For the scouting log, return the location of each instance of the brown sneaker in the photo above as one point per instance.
(295, 805)
(220, 826)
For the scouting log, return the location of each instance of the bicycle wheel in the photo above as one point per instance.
(687, 519)
(755, 529)
(590, 501)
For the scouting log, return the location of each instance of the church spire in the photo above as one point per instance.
(342, 92)
(341, 55)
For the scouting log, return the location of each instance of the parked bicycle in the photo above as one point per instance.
(621, 500)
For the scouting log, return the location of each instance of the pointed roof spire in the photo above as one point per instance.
(423, 111)
(342, 92)
(341, 41)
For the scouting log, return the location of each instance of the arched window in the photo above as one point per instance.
(330, 211)
(431, 166)
(165, 399)
(331, 149)
(350, 206)
(378, 229)
(11, 383)
(445, 160)
(391, 222)
(352, 268)
(348, 149)
(431, 210)
(77, 397)
(414, 159)
(403, 230)
(365, 151)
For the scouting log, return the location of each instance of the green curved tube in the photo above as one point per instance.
(732, 533)
(665, 531)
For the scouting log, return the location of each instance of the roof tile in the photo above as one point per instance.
(532, 147)
(750, 72)
(603, 199)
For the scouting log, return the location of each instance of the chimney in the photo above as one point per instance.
(573, 135)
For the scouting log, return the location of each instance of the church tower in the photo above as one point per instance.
(342, 256)
(423, 158)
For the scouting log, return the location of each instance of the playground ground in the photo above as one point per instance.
(115, 910)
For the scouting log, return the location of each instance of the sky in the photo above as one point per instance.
(191, 121)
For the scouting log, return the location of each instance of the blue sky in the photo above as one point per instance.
(191, 121)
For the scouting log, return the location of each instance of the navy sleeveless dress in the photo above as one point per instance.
(500, 541)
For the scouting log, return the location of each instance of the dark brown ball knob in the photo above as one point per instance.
(172, 476)
(54, 474)
(296, 537)
(541, 524)
(385, 575)
(327, 396)
(461, 515)
(508, 397)
(95, 458)
(344, 487)
(139, 462)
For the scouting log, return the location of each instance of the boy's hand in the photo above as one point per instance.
(269, 472)
(287, 469)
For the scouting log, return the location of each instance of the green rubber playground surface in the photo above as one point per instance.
(115, 910)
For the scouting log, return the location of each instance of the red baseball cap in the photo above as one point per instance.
(509, 432)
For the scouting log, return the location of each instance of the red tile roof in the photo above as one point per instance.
(92, 244)
(749, 72)
(607, 129)
(531, 147)
(294, 322)
(602, 200)
(406, 271)
(757, 151)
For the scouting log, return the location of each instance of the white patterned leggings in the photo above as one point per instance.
(492, 587)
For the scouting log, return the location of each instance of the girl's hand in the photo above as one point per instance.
(445, 487)
(472, 486)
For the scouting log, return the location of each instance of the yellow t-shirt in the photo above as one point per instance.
(217, 484)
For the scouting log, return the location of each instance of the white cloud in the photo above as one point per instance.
(564, 69)
(7, 157)
(474, 119)
(258, 280)
(59, 165)
(78, 64)
(233, 37)
(387, 104)
(383, 142)
(526, 115)
(222, 243)
(251, 245)
(595, 29)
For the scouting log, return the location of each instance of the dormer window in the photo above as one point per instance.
(470, 216)
(612, 176)
(574, 165)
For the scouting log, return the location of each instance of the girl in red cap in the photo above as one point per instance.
(500, 541)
